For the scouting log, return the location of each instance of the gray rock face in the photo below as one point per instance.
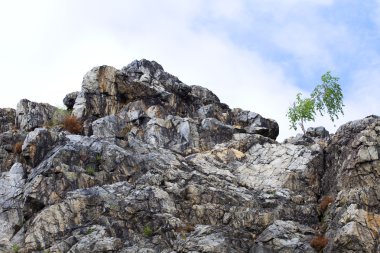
(352, 177)
(30, 115)
(166, 167)
(144, 90)
(7, 119)
(69, 100)
(8, 143)
(287, 236)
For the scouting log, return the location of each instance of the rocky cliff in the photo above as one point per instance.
(141, 162)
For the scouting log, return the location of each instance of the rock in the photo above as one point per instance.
(7, 119)
(166, 167)
(10, 148)
(254, 123)
(206, 96)
(319, 132)
(69, 100)
(286, 236)
(11, 217)
(31, 115)
(108, 126)
(38, 143)
(352, 176)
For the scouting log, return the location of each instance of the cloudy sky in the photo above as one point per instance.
(253, 54)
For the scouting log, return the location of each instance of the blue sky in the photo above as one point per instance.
(256, 54)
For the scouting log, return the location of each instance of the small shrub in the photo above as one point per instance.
(98, 158)
(73, 124)
(17, 148)
(325, 201)
(15, 248)
(319, 242)
(185, 228)
(59, 116)
(148, 231)
(90, 170)
(90, 231)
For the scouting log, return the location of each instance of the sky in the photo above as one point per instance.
(253, 54)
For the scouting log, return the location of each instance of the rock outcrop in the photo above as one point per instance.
(166, 167)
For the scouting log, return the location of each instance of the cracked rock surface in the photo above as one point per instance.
(166, 167)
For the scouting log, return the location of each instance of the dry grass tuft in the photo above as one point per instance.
(73, 125)
(325, 201)
(17, 148)
(185, 228)
(319, 242)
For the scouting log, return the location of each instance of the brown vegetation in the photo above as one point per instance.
(325, 201)
(17, 148)
(319, 242)
(185, 228)
(73, 124)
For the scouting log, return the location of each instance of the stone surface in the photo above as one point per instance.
(69, 100)
(8, 143)
(7, 119)
(30, 115)
(166, 167)
(352, 177)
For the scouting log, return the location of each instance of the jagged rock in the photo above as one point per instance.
(254, 123)
(69, 100)
(287, 237)
(7, 119)
(132, 92)
(37, 144)
(109, 126)
(352, 175)
(165, 167)
(11, 217)
(317, 132)
(9, 143)
(30, 115)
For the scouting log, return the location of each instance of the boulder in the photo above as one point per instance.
(7, 119)
(69, 100)
(254, 123)
(31, 115)
(351, 177)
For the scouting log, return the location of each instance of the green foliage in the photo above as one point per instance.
(90, 231)
(301, 111)
(148, 231)
(15, 248)
(326, 97)
(90, 170)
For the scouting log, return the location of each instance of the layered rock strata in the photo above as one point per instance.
(165, 167)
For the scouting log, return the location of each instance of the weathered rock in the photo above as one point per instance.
(69, 100)
(38, 143)
(7, 119)
(254, 123)
(10, 147)
(317, 132)
(287, 237)
(166, 167)
(133, 91)
(352, 176)
(11, 217)
(31, 115)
